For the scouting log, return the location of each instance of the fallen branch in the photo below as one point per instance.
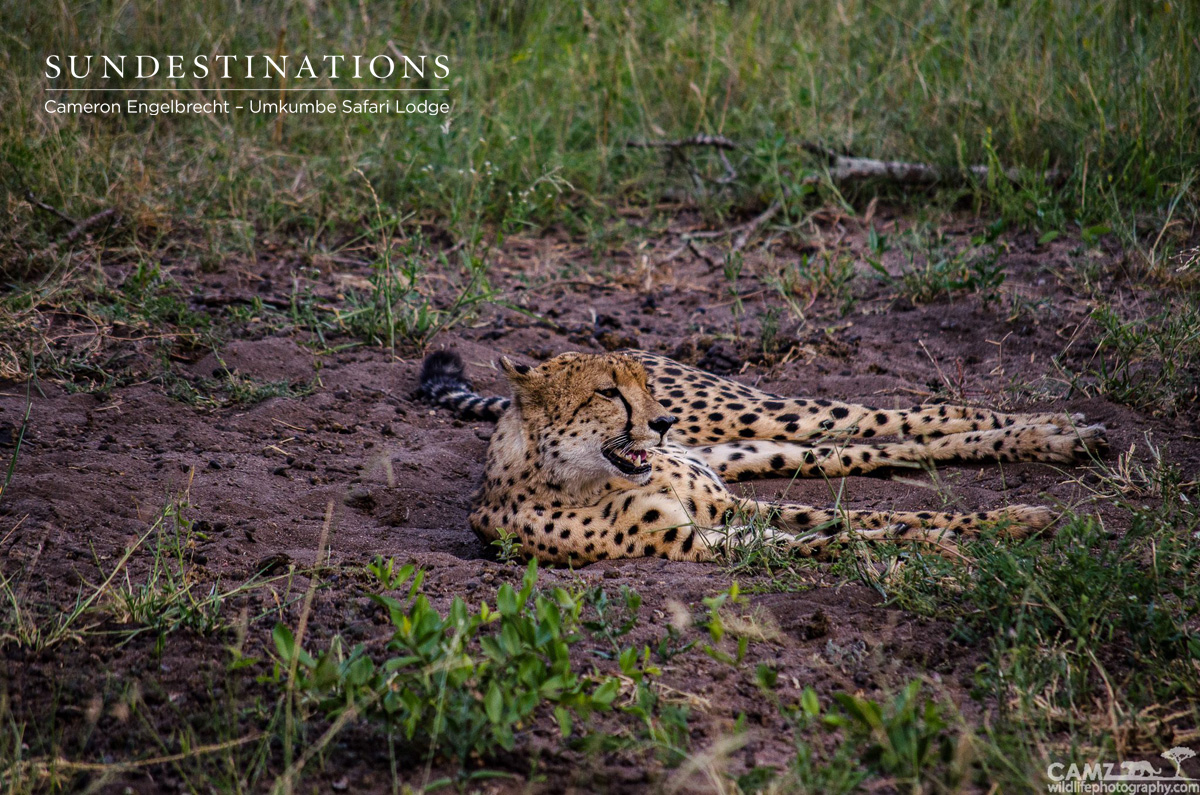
(749, 228)
(88, 223)
(718, 142)
(702, 254)
(43, 768)
(77, 227)
(41, 205)
(566, 283)
(714, 141)
(743, 232)
(847, 168)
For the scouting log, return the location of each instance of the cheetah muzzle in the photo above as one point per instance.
(629, 462)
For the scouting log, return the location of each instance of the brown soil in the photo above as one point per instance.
(94, 470)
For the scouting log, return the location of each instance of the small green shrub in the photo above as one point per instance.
(936, 270)
(907, 740)
(461, 684)
(1150, 363)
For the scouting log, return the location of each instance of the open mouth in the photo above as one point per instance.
(629, 462)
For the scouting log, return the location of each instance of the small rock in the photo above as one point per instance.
(721, 359)
(362, 499)
(272, 564)
(614, 340)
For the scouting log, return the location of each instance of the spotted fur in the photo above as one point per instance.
(626, 455)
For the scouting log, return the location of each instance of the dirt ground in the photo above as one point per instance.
(94, 469)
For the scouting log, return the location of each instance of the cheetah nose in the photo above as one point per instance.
(661, 425)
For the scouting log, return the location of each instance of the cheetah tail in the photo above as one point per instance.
(444, 383)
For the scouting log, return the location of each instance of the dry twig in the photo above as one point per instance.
(77, 227)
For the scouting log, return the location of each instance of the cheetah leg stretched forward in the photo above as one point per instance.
(712, 409)
(815, 528)
(808, 530)
(1047, 443)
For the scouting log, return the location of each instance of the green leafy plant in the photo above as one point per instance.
(458, 684)
(508, 546)
(716, 626)
(904, 738)
(1150, 362)
(907, 739)
(936, 270)
(611, 618)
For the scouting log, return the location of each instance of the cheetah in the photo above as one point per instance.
(627, 454)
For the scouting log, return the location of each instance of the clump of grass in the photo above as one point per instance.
(1149, 362)
(148, 312)
(233, 389)
(1080, 620)
(908, 739)
(937, 269)
(826, 276)
(171, 594)
(403, 307)
(164, 596)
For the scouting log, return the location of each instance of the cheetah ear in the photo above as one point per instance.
(514, 371)
(524, 379)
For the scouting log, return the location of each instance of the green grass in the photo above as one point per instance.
(545, 99)
(546, 96)
(934, 270)
(1151, 362)
(153, 586)
(1089, 636)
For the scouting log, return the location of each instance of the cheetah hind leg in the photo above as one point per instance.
(815, 530)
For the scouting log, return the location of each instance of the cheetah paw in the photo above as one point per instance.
(1069, 444)
(1028, 518)
(1062, 420)
(1090, 439)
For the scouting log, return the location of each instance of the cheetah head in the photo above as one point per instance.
(591, 417)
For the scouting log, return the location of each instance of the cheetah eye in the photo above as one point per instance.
(611, 392)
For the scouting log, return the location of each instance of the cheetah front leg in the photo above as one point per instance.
(798, 419)
(640, 522)
(1046, 443)
(712, 409)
